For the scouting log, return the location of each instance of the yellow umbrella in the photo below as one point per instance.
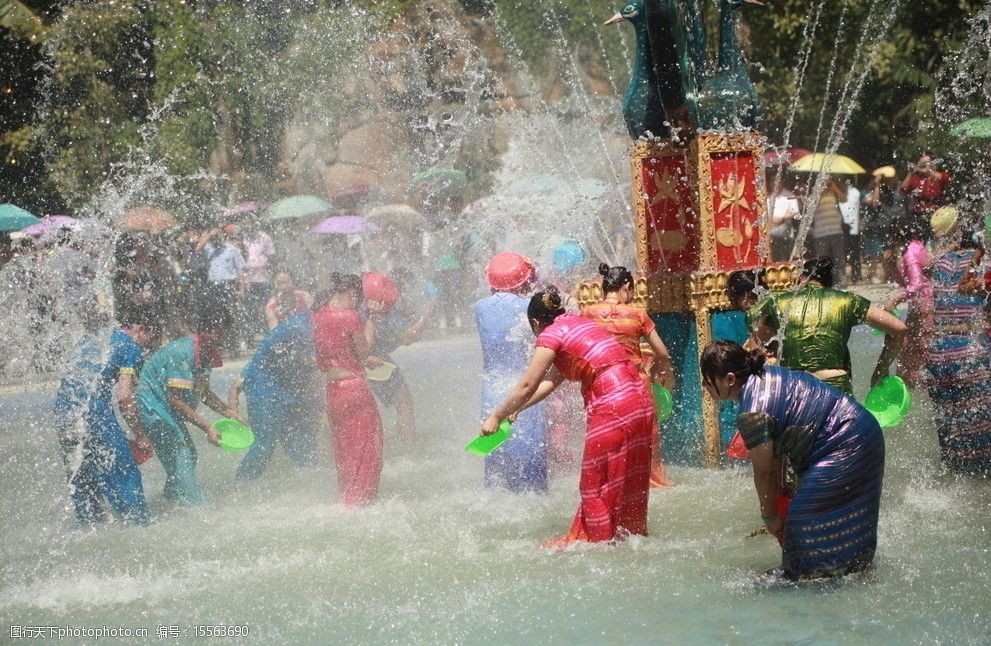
(884, 171)
(832, 164)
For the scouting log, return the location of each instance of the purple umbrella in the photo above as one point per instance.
(344, 225)
(51, 223)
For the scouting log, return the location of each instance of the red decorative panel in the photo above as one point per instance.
(735, 210)
(667, 225)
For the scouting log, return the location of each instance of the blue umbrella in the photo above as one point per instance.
(14, 218)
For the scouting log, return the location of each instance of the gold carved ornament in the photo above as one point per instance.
(666, 186)
(703, 148)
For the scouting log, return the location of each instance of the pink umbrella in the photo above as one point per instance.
(241, 208)
(51, 223)
(344, 225)
(350, 191)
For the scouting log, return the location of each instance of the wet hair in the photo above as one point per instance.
(213, 318)
(545, 306)
(743, 282)
(336, 284)
(819, 269)
(145, 317)
(614, 278)
(346, 283)
(723, 357)
(968, 239)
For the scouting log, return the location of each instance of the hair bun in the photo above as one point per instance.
(552, 298)
(603, 269)
(756, 360)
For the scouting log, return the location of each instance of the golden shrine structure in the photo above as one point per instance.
(700, 214)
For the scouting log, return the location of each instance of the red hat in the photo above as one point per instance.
(379, 287)
(508, 270)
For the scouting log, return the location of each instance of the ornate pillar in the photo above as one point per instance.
(700, 214)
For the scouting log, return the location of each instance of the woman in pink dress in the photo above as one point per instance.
(341, 341)
(615, 471)
(918, 292)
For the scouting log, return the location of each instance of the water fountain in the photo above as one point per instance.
(436, 560)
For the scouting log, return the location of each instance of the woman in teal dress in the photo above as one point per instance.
(172, 383)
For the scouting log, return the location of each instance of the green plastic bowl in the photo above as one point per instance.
(663, 400)
(889, 401)
(234, 436)
(485, 444)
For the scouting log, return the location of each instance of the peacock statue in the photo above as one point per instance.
(729, 100)
(676, 43)
(695, 25)
(643, 110)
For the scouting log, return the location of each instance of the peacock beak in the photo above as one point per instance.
(612, 21)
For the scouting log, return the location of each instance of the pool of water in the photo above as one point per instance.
(440, 559)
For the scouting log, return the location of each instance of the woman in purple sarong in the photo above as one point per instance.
(832, 442)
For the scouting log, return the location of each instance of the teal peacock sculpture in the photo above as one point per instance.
(695, 25)
(675, 44)
(729, 100)
(643, 110)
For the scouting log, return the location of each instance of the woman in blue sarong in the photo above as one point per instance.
(520, 464)
(282, 404)
(834, 445)
(101, 469)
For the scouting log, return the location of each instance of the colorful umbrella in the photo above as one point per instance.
(976, 128)
(447, 177)
(349, 196)
(14, 218)
(400, 215)
(344, 225)
(232, 212)
(831, 164)
(149, 219)
(885, 171)
(784, 156)
(535, 185)
(298, 206)
(51, 223)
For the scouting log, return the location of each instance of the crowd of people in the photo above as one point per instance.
(817, 454)
(861, 229)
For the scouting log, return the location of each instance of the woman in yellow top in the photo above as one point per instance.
(629, 324)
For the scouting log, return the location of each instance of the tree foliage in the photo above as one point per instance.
(212, 84)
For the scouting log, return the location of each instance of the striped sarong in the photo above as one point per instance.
(615, 473)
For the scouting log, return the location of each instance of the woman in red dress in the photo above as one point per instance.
(616, 462)
(342, 340)
(629, 325)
